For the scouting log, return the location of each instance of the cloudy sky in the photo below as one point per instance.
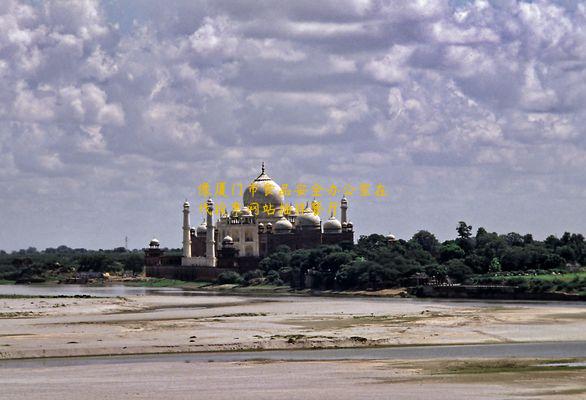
(111, 113)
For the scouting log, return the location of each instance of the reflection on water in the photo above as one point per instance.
(115, 290)
(81, 290)
(446, 352)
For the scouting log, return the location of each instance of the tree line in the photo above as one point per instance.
(375, 263)
(32, 265)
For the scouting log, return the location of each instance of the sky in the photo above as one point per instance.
(112, 113)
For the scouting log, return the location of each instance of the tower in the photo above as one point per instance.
(210, 240)
(343, 209)
(186, 229)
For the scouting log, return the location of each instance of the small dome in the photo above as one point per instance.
(292, 211)
(332, 225)
(186, 204)
(202, 229)
(344, 200)
(246, 212)
(227, 240)
(391, 237)
(269, 225)
(350, 225)
(235, 213)
(261, 225)
(308, 219)
(154, 242)
(283, 225)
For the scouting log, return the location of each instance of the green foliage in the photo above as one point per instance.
(450, 250)
(458, 271)
(427, 241)
(32, 265)
(229, 277)
(363, 274)
(495, 266)
(371, 263)
(464, 230)
(374, 263)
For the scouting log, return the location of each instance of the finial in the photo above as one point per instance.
(262, 168)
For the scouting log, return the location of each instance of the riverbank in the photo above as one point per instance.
(181, 377)
(170, 320)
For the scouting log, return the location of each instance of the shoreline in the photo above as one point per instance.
(153, 322)
(282, 354)
(454, 292)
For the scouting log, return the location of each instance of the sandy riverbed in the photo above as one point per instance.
(373, 379)
(48, 327)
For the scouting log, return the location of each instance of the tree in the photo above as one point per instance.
(427, 241)
(437, 272)
(514, 239)
(458, 271)
(365, 274)
(93, 262)
(464, 230)
(480, 232)
(465, 240)
(495, 266)
(450, 250)
(133, 262)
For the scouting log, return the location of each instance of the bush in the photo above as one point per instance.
(253, 277)
(458, 271)
(229, 277)
(273, 278)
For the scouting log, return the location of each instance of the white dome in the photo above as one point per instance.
(227, 240)
(267, 192)
(332, 225)
(308, 219)
(283, 225)
(154, 242)
(202, 229)
(291, 210)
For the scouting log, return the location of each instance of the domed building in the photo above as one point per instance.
(266, 195)
(241, 238)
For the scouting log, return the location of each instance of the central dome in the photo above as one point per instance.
(266, 193)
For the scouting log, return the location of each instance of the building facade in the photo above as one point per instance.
(241, 238)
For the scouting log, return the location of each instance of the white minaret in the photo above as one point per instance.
(186, 229)
(343, 208)
(210, 240)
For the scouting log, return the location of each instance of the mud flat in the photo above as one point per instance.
(268, 379)
(33, 327)
(176, 345)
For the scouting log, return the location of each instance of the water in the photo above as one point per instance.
(551, 350)
(115, 290)
(83, 290)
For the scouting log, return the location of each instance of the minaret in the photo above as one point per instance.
(343, 209)
(210, 240)
(186, 231)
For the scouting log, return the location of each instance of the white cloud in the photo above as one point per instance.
(439, 92)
